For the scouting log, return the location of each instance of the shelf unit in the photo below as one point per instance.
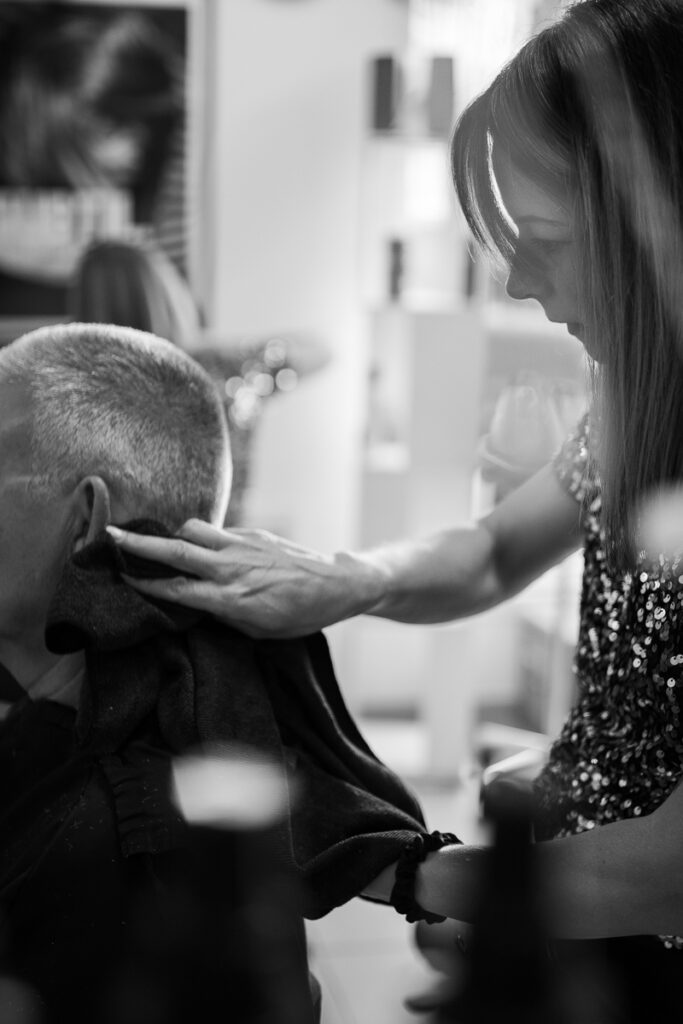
(420, 474)
(443, 343)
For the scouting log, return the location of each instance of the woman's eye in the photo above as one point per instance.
(533, 254)
(547, 246)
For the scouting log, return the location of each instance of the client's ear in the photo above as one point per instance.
(92, 510)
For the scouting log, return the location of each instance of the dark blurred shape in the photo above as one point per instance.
(231, 945)
(396, 269)
(386, 98)
(19, 1003)
(441, 99)
(511, 971)
(509, 976)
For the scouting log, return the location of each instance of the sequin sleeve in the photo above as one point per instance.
(573, 464)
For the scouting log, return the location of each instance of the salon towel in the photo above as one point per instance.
(206, 683)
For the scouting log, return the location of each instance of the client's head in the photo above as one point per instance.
(98, 424)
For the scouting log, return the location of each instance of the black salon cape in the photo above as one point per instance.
(85, 808)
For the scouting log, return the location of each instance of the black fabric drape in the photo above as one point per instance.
(207, 684)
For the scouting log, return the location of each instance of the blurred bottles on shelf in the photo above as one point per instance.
(386, 94)
(396, 269)
(413, 94)
(407, 196)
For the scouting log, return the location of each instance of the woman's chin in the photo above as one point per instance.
(578, 331)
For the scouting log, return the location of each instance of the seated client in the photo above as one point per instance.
(101, 425)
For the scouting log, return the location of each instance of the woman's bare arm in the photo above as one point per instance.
(625, 878)
(466, 570)
(269, 586)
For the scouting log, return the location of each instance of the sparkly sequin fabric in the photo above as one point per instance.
(620, 752)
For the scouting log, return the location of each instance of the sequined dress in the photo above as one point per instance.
(620, 753)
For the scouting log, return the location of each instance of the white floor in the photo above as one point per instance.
(363, 954)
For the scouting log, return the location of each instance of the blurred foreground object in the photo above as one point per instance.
(512, 972)
(661, 525)
(19, 1003)
(231, 946)
(508, 970)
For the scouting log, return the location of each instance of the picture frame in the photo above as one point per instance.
(46, 220)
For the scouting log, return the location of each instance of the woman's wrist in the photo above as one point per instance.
(448, 880)
(366, 582)
(411, 856)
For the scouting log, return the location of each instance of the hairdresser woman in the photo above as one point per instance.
(581, 137)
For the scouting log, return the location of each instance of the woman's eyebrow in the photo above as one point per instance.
(534, 219)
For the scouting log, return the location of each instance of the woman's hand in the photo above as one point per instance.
(251, 579)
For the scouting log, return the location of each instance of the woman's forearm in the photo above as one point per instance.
(442, 577)
(619, 879)
(462, 571)
(269, 586)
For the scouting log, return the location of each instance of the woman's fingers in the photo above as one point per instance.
(202, 596)
(263, 584)
(178, 589)
(198, 532)
(184, 555)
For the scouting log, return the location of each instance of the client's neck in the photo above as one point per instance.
(27, 658)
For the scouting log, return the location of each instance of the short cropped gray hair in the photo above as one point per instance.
(129, 407)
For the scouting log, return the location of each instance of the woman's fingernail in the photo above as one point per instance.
(115, 533)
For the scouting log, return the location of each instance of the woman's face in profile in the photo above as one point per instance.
(545, 264)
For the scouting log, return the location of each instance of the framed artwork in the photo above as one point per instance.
(102, 138)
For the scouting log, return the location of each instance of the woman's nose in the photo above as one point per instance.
(524, 282)
(518, 285)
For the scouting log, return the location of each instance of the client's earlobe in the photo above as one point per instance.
(93, 509)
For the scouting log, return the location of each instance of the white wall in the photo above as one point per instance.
(291, 116)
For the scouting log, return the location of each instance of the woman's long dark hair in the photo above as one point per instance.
(592, 110)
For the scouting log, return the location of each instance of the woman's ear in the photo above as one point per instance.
(92, 510)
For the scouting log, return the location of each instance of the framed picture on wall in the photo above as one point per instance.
(101, 138)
